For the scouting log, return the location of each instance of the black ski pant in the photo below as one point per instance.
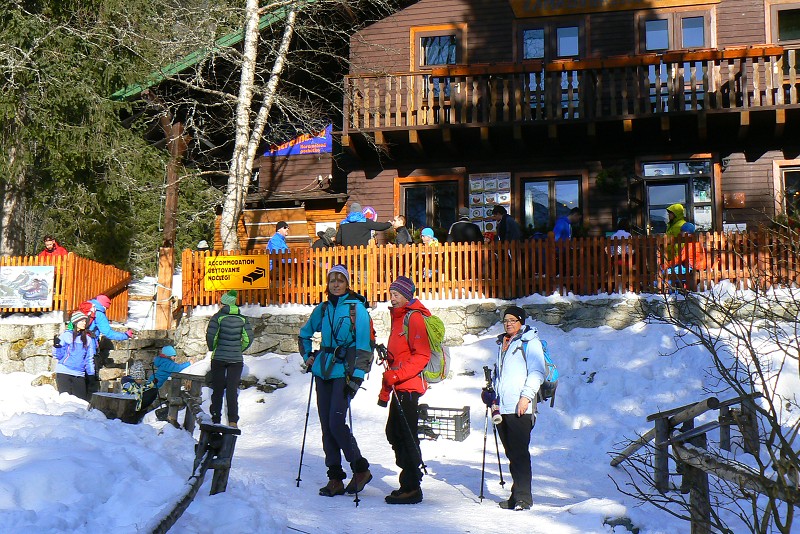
(74, 385)
(225, 377)
(337, 438)
(401, 431)
(515, 434)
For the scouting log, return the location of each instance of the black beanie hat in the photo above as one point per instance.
(517, 312)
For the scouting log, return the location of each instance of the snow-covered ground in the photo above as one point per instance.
(66, 469)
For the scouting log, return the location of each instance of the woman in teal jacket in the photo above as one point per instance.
(339, 367)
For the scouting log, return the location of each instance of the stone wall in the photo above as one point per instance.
(28, 347)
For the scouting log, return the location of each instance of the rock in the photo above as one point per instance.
(111, 373)
(47, 379)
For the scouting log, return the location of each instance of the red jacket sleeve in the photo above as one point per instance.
(420, 349)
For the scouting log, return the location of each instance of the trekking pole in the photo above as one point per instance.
(305, 430)
(497, 448)
(483, 465)
(350, 415)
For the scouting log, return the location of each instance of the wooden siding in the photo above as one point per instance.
(292, 173)
(611, 34)
(740, 22)
(755, 180)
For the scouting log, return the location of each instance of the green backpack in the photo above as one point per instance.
(438, 367)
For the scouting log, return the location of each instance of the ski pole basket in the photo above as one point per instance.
(448, 423)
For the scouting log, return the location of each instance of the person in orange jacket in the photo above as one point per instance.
(52, 248)
(408, 352)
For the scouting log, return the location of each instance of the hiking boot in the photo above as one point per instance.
(357, 483)
(413, 496)
(522, 506)
(233, 425)
(507, 505)
(335, 487)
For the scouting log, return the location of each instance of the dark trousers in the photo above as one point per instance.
(148, 397)
(332, 405)
(515, 434)
(401, 431)
(74, 385)
(225, 377)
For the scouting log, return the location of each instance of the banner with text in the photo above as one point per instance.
(314, 143)
(236, 272)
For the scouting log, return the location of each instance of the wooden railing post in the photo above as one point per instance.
(166, 268)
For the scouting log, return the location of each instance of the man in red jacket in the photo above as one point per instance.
(408, 353)
(52, 248)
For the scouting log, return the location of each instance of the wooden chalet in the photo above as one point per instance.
(619, 108)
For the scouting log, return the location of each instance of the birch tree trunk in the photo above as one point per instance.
(248, 137)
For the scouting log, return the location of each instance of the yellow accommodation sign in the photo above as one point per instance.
(236, 272)
(547, 8)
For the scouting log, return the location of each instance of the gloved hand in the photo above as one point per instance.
(310, 361)
(351, 388)
(129, 333)
(489, 397)
(383, 403)
(56, 341)
(390, 378)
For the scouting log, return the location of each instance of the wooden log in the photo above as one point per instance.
(699, 498)
(725, 421)
(685, 413)
(114, 405)
(739, 474)
(661, 461)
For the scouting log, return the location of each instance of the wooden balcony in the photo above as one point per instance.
(680, 83)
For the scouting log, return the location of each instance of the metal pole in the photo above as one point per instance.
(497, 448)
(483, 465)
(305, 431)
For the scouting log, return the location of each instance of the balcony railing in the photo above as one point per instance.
(583, 266)
(586, 90)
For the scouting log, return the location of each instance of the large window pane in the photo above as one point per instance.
(693, 32)
(438, 50)
(659, 169)
(537, 205)
(791, 184)
(567, 41)
(656, 35)
(533, 44)
(433, 204)
(567, 196)
(416, 207)
(788, 25)
(445, 204)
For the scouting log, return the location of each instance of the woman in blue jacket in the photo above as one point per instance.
(519, 371)
(339, 367)
(75, 350)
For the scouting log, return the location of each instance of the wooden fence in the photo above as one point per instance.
(583, 266)
(76, 279)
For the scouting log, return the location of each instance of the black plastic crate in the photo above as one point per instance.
(448, 423)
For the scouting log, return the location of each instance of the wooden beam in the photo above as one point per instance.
(485, 137)
(166, 268)
(416, 144)
(665, 123)
(780, 121)
(347, 144)
(627, 125)
(744, 123)
(379, 138)
(702, 125)
(552, 131)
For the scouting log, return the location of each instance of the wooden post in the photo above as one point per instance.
(189, 419)
(699, 499)
(748, 425)
(687, 480)
(222, 464)
(174, 401)
(725, 428)
(166, 268)
(661, 460)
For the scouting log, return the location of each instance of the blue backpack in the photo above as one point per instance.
(547, 391)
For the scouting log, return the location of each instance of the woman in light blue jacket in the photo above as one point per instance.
(75, 350)
(518, 372)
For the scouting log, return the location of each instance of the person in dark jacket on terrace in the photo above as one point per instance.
(356, 230)
(228, 335)
(339, 367)
(402, 235)
(464, 230)
(327, 239)
(507, 227)
(408, 352)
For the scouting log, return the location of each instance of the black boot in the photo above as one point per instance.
(413, 496)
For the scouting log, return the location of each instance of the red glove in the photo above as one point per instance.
(129, 333)
(390, 378)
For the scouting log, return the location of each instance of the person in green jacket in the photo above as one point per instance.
(228, 335)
